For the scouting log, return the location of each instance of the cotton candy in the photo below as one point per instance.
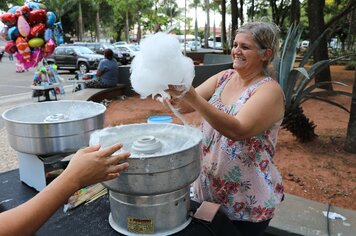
(160, 63)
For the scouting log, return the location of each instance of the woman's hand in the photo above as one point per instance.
(89, 165)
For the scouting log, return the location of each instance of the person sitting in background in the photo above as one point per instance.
(88, 166)
(107, 72)
(242, 109)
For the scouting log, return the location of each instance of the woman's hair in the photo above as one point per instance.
(108, 53)
(265, 34)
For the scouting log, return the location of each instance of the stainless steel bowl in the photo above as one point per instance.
(53, 127)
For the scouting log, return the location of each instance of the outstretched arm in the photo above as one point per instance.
(88, 166)
(260, 112)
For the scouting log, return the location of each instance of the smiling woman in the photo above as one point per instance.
(239, 143)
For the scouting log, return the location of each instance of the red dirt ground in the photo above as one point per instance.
(320, 170)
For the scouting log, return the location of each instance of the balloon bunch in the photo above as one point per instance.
(32, 33)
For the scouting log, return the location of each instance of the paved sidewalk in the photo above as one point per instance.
(8, 160)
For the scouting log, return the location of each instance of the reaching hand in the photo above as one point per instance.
(91, 165)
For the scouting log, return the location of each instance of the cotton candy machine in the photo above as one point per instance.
(153, 195)
(49, 131)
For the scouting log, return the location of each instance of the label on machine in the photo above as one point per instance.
(142, 226)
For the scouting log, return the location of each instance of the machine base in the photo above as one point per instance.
(124, 231)
(34, 172)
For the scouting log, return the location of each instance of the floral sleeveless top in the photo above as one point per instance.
(239, 175)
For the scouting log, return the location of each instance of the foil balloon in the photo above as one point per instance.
(34, 5)
(13, 9)
(36, 57)
(48, 34)
(13, 33)
(10, 47)
(38, 29)
(48, 48)
(58, 33)
(37, 16)
(51, 18)
(33, 61)
(36, 42)
(31, 32)
(23, 11)
(4, 33)
(42, 6)
(23, 26)
(23, 48)
(8, 19)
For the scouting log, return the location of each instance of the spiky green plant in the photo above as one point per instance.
(297, 85)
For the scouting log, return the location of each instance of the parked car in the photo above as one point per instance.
(120, 43)
(217, 45)
(69, 57)
(194, 45)
(100, 47)
(304, 44)
(133, 49)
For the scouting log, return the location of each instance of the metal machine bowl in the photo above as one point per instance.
(152, 196)
(53, 127)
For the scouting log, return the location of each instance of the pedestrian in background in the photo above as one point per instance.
(11, 57)
(1, 54)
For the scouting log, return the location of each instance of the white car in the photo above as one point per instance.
(133, 49)
(194, 45)
(304, 44)
(215, 45)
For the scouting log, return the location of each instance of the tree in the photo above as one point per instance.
(195, 4)
(279, 12)
(350, 143)
(4, 4)
(207, 25)
(96, 7)
(295, 12)
(223, 25)
(234, 17)
(317, 26)
(80, 21)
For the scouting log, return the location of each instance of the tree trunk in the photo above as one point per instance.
(127, 26)
(295, 12)
(97, 26)
(234, 16)
(207, 25)
(241, 14)
(80, 21)
(251, 14)
(139, 32)
(223, 24)
(316, 28)
(350, 142)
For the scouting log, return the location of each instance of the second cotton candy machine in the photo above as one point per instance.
(153, 195)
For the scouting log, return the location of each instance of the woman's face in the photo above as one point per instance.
(245, 54)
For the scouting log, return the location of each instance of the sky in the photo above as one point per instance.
(201, 15)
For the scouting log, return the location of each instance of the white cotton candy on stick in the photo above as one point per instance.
(160, 63)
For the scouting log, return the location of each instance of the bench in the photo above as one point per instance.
(97, 94)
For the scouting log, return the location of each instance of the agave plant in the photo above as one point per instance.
(298, 87)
